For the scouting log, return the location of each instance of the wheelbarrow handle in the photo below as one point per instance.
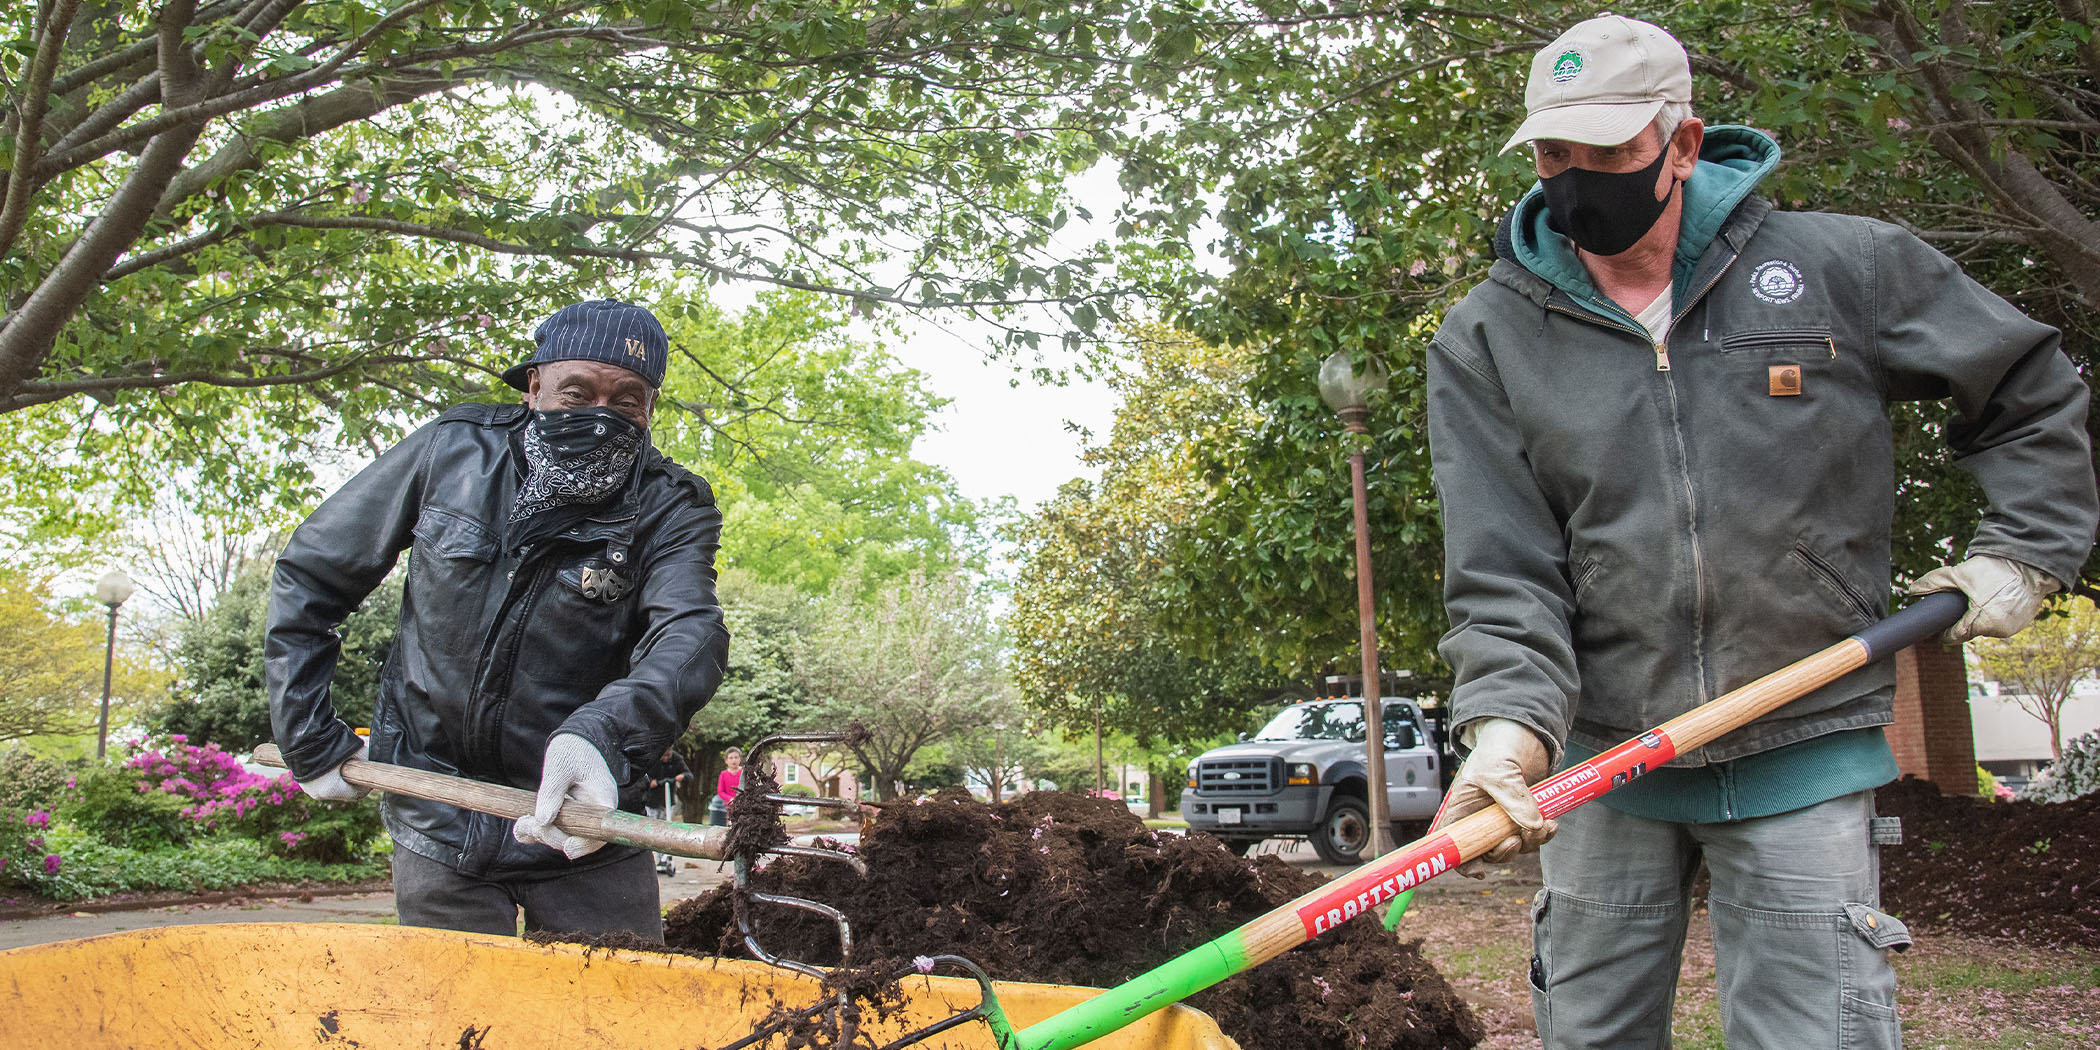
(577, 817)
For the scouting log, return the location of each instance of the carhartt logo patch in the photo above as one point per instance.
(1567, 67)
(1776, 281)
(1783, 380)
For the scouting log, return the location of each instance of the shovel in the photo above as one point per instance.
(1386, 878)
(577, 817)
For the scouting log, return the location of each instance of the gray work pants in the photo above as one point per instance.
(617, 898)
(1800, 942)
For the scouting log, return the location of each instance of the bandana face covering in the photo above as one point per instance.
(573, 457)
(1606, 212)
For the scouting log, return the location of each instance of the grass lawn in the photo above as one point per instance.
(1958, 992)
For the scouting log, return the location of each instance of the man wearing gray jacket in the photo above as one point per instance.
(1660, 441)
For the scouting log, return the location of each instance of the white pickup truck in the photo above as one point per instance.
(1302, 776)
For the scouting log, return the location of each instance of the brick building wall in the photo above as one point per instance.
(1932, 737)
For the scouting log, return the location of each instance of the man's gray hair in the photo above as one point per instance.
(1669, 117)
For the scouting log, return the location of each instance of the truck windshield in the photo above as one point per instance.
(1340, 720)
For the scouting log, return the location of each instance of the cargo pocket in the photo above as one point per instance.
(1541, 1004)
(1867, 1015)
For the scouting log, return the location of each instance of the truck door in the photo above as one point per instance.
(1411, 785)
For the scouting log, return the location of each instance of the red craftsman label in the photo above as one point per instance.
(1388, 877)
(1580, 783)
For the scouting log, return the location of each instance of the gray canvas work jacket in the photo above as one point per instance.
(609, 630)
(1632, 529)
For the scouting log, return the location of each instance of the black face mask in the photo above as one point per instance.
(574, 457)
(573, 433)
(1605, 212)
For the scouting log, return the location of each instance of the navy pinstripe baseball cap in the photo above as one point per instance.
(605, 330)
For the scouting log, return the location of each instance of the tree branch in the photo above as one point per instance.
(54, 23)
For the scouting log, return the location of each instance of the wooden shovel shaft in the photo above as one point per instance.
(576, 818)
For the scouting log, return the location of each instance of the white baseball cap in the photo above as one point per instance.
(1601, 82)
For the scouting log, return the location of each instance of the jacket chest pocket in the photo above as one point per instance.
(451, 571)
(1788, 366)
(582, 627)
(1786, 357)
(1804, 343)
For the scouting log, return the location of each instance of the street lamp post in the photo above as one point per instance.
(1348, 392)
(111, 590)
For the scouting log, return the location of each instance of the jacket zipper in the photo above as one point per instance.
(1684, 462)
(483, 746)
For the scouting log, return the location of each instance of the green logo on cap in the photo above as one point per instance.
(1567, 66)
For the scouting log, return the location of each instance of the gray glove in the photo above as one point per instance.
(331, 787)
(573, 769)
(1507, 759)
(2004, 595)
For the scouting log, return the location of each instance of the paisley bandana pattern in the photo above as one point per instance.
(574, 457)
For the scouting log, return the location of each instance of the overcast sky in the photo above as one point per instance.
(998, 438)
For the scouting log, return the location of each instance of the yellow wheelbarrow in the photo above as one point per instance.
(308, 985)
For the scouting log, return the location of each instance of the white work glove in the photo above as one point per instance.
(573, 769)
(331, 787)
(2004, 595)
(1507, 759)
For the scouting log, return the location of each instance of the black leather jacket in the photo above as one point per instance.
(610, 631)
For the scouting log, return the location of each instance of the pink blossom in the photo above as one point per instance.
(51, 863)
(359, 192)
(1417, 269)
(38, 820)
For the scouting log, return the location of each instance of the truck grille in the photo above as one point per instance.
(1237, 776)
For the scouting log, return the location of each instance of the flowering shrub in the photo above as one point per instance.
(25, 860)
(28, 782)
(2076, 774)
(219, 794)
(176, 816)
(116, 804)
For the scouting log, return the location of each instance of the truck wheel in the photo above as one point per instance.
(1344, 832)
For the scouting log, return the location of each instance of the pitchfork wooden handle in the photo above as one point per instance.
(576, 818)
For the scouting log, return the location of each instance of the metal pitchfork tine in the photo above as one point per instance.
(987, 1007)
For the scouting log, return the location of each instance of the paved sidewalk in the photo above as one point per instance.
(693, 878)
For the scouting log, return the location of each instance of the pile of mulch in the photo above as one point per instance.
(1066, 889)
(2029, 871)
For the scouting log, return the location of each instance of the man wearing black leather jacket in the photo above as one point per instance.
(558, 628)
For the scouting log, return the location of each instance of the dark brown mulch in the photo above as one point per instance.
(2024, 870)
(1071, 890)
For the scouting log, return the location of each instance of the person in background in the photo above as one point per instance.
(725, 787)
(1660, 438)
(665, 775)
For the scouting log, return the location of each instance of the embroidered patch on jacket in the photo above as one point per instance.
(1776, 281)
(1783, 380)
(1567, 67)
